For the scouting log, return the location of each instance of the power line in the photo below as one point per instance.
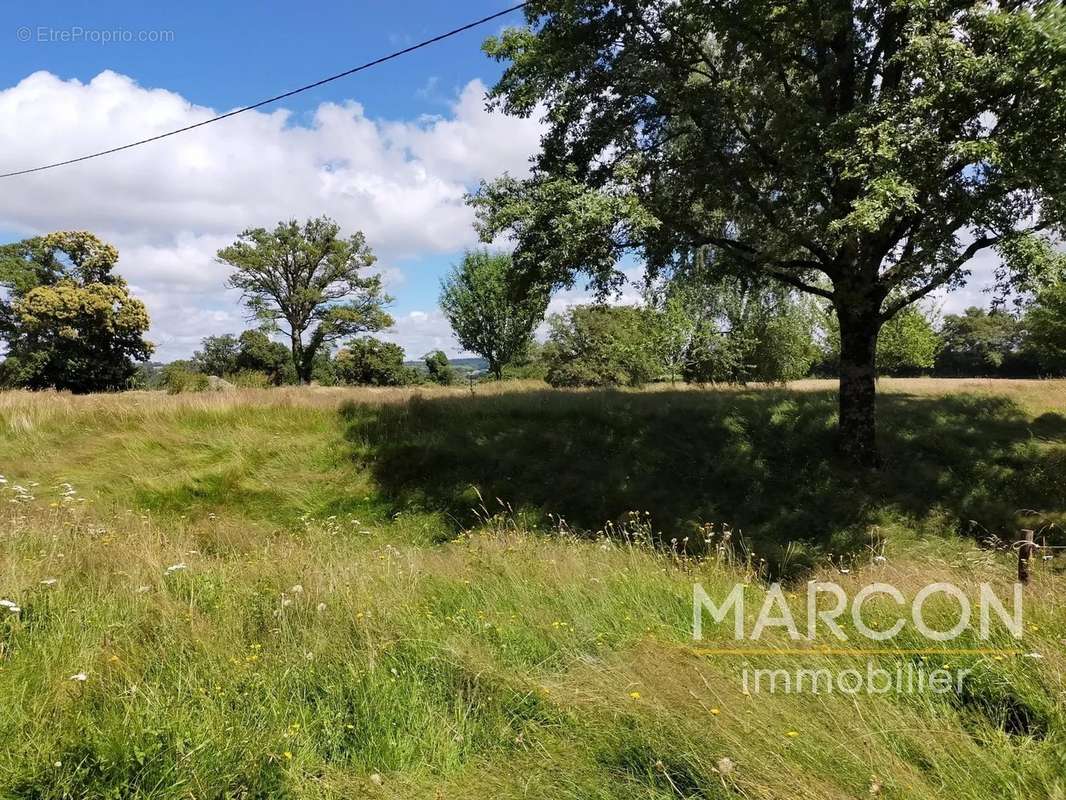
(274, 99)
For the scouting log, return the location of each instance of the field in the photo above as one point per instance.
(446, 593)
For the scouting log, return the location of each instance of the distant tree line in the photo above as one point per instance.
(69, 322)
(736, 331)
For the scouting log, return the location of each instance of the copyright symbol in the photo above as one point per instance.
(23, 34)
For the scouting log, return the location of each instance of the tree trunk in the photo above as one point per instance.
(858, 388)
(303, 376)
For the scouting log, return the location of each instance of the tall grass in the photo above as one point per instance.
(329, 662)
(257, 611)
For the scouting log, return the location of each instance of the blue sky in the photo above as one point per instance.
(225, 54)
(170, 205)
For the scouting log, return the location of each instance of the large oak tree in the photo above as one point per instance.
(863, 151)
(306, 281)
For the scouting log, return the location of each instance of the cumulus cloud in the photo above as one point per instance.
(170, 205)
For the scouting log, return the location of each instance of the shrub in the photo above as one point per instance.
(372, 362)
(601, 346)
(440, 369)
(180, 376)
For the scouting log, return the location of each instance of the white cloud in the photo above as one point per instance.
(168, 206)
(421, 332)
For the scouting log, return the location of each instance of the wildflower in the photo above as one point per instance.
(321, 607)
(288, 756)
(81, 677)
(725, 765)
(297, 589)
(716, 711)
(792, 734)
(635, 695)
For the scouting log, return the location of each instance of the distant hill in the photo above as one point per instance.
(459, 364)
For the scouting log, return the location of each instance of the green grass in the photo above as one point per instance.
(760, 461)
(331, 635)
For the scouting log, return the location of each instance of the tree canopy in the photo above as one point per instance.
(863, 151)
(306, 281)
(69, 321)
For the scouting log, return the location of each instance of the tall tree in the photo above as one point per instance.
(863, 151)
(487, 316)
(69, 321)
(305, 280)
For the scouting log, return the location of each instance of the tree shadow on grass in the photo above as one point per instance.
(761, 461)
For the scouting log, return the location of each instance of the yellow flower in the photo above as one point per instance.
(792, 734)
(288, 756)
(635, 695)
(716, 711)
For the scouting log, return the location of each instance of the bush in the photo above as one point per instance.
(601, 346)
(440, 369)
(372, 362)
(180, 376)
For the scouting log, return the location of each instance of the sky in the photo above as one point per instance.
(390, 151)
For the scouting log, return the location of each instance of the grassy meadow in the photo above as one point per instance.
(446, 593)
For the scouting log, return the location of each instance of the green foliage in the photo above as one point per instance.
(601, 346)
(70, 321)
(1045, 328)
(218, 355)
(979, 343)
(744, 331)
(308, 278)
(488, 316)
(182, 376)
(257, 352)
(439, 368)
(863, 153)
(531, 367)
(252, 359)
(908, 344)
(371, 362)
